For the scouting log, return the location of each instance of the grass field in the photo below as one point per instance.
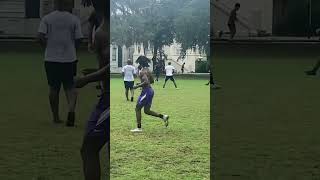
(266, 117)
(32, 148)
(180, 151)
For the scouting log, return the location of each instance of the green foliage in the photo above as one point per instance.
(159, 22)
(192, 25)
(201, 66)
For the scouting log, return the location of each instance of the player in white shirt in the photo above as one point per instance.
(169, 75)
(60, 34)
(129, 73)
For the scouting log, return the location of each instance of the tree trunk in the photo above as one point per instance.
(154, 58)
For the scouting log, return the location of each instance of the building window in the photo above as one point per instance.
(114, 54)
(32, 8)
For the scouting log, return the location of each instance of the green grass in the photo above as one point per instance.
(31, 146)
(180, 151)
(266, 118)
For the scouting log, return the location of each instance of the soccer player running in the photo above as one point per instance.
(98, 126)
(60, 34)
(169, 75)
(232, 21)
(129, 73)
(147, 93)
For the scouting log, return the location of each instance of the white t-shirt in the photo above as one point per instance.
(61, 29)
(169, 70)
(129, 71)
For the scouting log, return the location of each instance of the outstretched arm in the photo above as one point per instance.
(93, 77)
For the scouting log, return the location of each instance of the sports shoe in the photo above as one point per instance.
(136, 130)
(166, 120)
(311, 73)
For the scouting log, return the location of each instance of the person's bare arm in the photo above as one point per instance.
(99, 75)
(87, 71)
(42, 40)
(144, 82)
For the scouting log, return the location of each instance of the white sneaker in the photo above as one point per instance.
(136, 130)
(166, 120)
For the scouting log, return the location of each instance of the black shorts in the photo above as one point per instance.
(169, 77)
(60, 73)
(128, 84)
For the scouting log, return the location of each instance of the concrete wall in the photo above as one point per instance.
(14, 23)
(258, 14)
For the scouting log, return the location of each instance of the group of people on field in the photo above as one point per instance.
(60, 34)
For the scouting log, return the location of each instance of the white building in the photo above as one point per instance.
(120, 55)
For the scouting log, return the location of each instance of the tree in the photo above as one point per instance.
(192, 26)
(158, 22)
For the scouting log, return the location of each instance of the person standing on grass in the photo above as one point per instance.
(147, 93)
(129, 73)
(98, 126)
(182, 68)
(232, 21)
(212, 83)
(60, 34)
(169, 74)
(157, 71)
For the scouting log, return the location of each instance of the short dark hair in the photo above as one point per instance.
(129, 62)
(169, 63)
(237, 5)
(143, 61)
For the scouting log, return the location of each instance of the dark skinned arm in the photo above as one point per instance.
(42, 40)
(93, 77)
(145, 82)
